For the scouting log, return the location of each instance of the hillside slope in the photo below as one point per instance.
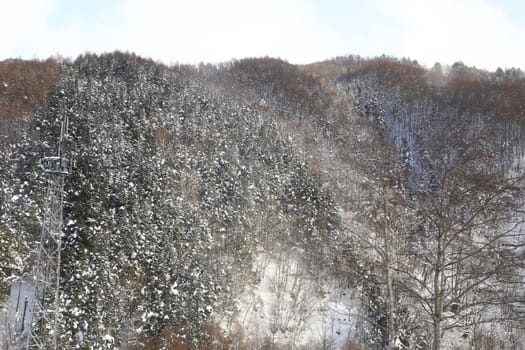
(257, 204)
(164, 201)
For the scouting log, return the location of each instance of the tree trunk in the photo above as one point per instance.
(389, 289)
(437, 334)
(438, 294)
(390, 295)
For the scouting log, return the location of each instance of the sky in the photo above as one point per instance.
(482, 33)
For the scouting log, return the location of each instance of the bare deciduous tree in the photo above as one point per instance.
(468, 210)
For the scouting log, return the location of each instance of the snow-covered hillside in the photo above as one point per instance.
(290, 306)
(256, 204)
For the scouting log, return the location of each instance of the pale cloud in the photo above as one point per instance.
(193, 31)
(173, 30)
(23, 27)
(26, 32)
(476, 32)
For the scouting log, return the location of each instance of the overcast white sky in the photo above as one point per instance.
(483, 33)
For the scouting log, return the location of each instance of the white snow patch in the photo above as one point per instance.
(293, 306)
(108, 338)
(174, 290)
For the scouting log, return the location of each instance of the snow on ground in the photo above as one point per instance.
(3, 326)
(15, 314)
(288, 305)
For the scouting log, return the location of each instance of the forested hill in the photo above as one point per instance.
(255, 204)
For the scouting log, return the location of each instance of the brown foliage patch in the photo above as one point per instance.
(24, 86)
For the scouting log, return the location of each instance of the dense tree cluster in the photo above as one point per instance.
(400, 184)
(167, 180)
(24, 87)
(458, 134)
